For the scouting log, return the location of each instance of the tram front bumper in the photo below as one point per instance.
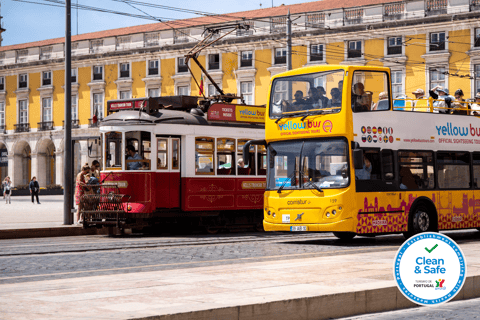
(346, 225)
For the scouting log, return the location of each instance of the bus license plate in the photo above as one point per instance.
(298, 228)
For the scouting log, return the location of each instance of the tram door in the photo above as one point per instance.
(167, 180)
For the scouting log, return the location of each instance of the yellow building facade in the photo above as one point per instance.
(425, 43)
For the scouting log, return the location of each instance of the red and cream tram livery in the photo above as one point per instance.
(177, 165)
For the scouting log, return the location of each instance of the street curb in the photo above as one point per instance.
(320, 307)
(66, 231)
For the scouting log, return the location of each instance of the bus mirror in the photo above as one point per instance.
(358, 158)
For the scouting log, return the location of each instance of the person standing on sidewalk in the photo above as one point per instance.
(7, 190)
(80, 182)
(34, 189)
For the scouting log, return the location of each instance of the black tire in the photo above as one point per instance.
(345, 235)
(421, 220)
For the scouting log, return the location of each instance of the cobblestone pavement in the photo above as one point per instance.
(464, 310)
(53, 258)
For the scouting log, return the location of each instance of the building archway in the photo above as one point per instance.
(46, 163)
(22, 164)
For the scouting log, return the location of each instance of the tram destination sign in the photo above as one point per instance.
(236, 113)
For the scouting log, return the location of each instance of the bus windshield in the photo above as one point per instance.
(319, 92)
(307, 164)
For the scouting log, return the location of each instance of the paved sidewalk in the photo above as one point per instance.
(23, 214)
(308, 288)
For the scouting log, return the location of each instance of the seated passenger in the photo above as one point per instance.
(458, 106)
(299, 103)
(314, 99)
(476, 106)
(360, 99)
(241, 163)
(364, 173)
(321, 92)
(407, 179)
(132, 155)
(382, 103)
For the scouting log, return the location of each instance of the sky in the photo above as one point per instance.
(28, 22)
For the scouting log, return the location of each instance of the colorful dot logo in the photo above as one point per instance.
(374, 138)
(364, 130)
(390, 139)
(369, 129)
(364, 139)
(385, 139)
(380, 130)
(369, 138)
(374, 130)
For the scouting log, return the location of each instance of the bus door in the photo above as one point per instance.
(167, 180)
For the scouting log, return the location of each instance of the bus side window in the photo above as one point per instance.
(387, 165)
(374, 157)
(476, 170)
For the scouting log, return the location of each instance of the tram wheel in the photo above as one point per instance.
(345, 235)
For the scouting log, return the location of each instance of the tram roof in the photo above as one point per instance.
(134, 117)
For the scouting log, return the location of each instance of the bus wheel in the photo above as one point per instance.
(421, 220)
(345, 235)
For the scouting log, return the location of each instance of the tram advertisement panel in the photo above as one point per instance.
(236, 113)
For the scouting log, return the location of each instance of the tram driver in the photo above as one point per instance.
(132, 155)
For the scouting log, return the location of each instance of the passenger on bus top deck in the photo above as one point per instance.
(458, 107)
(299, 102)
(441, 94)
(340, 87)
(336, 100)
(364, 173)
(381, 105)
(419, 94)
(314, 98)
(321, 92)
(476, 106)
(132, 155)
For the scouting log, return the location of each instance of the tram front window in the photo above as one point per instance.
(308, 164)
(138, 150)
(314, 92)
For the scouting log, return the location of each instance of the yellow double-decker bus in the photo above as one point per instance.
(341, 158)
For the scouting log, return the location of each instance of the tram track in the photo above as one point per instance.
(46, 248)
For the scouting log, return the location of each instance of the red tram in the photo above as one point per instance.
(175, 165)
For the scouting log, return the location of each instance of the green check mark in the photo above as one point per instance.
(430, 251)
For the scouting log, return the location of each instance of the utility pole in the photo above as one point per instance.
(67, 150)
(289, 41)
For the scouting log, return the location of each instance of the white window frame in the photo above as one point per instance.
(282, 49)
(212, 87)
(20, 112)
(150, 89)
(428, 70)
(129, 67)
(476, 80)
(430, 37)
(310, 52)
(93, 72)
(50, 73)
(177, 65)
(148, 68)
(250, 94)
(387, 45)
(362, 50)
(240, 59)
(19, 78)
(219, 61)
(125, 94)
(100, 105)
(47, 109)
(402, 81)
(74, 70)
(177, 89)
(74, 107)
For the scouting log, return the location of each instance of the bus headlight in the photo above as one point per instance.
(268, 212)
(328, 214)
(334, 212)
(273, 214)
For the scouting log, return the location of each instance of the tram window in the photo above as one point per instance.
(226, 156)
(204, 160)
(175, 154)
(476, 170)
(242, 169)
(370, 91)
(262, 160)
(162, 154)
(113, 147)
(138, 150)
(416, 170)
(453, 170)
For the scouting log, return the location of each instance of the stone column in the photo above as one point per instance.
(35, 169)
(59, 167)
(11, 172)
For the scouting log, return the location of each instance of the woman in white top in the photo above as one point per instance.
(7, 190)
(475, 107)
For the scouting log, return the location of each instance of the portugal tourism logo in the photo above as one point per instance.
(429, 269)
